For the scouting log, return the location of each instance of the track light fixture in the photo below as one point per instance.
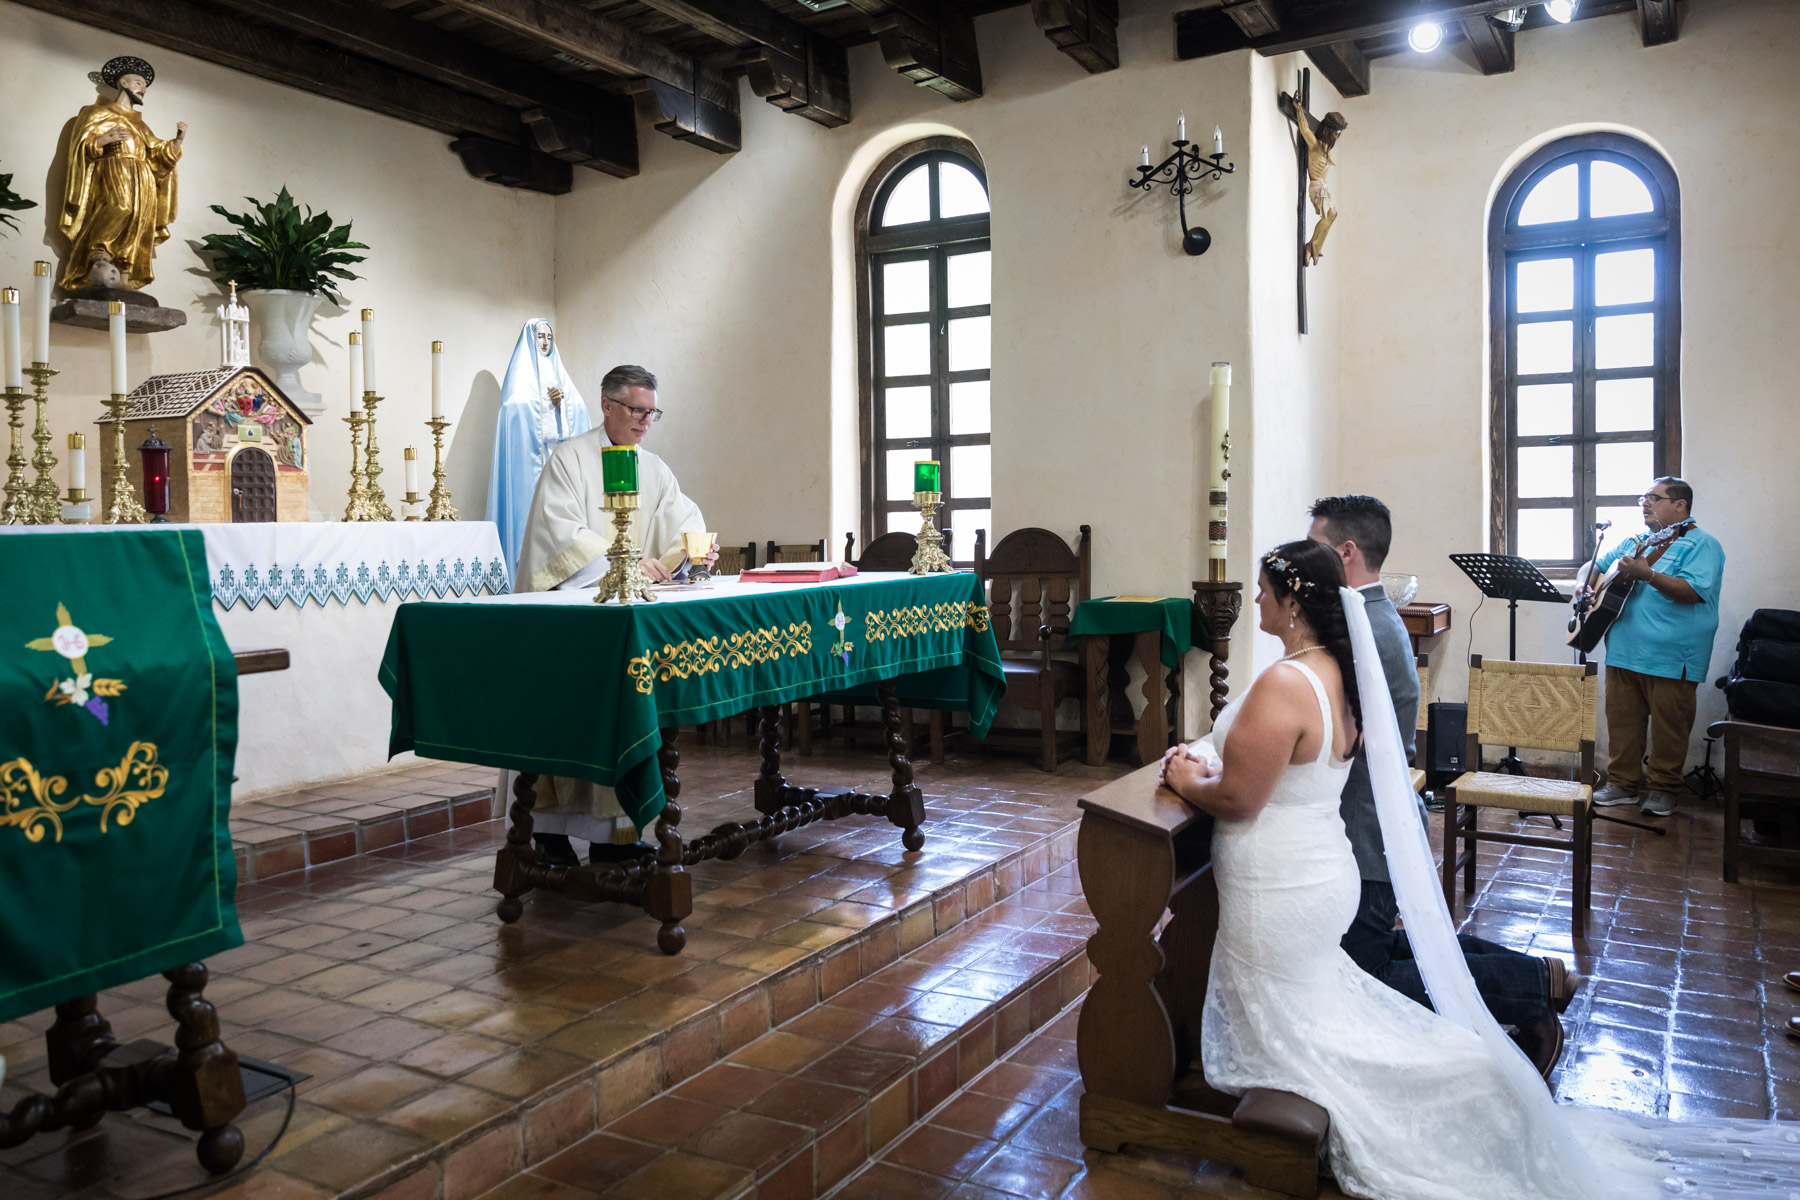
(1562, 11)
(1425, 37)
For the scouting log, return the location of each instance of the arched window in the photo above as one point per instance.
(1584, 248)
(922, 245)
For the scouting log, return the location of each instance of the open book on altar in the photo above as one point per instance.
(797, 572)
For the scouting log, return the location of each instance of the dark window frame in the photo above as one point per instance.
(1581, 239)
(934, 240)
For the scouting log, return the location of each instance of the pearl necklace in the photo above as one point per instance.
(1299, 652)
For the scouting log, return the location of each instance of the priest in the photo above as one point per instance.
(566, 537)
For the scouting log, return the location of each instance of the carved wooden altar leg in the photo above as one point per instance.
(1219, 605)
(669, 891)
(906, 804)
(770, 786)
(206, 1090)
(1152, 725)
(80, 1038)
(1099, 721)
(1125, 1045)
(518, 853)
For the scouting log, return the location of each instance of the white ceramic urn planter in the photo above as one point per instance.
(283, 321)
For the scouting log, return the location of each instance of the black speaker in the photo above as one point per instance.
(1446, 741)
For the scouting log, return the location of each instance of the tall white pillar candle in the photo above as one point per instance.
(77, 462)
(412, 471)
(115, 327)
(356, 365)
(437, 380)
(40, 323)
(1217, 500)
(368, 348)
(9, 322)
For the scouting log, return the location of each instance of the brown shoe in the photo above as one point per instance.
(1792, 979)
(1542, 1042)
(1564, 983)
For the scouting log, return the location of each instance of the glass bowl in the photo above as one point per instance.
(1401, 588)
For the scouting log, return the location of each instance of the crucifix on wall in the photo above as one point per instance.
(1312, 150)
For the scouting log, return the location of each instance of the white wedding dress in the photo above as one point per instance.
(1423, 1106)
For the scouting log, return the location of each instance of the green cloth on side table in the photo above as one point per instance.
(117, 739)
(1175, 617)
(553, 683)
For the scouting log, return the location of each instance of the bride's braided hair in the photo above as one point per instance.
(1312, 573)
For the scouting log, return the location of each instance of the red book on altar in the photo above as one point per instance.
(797, 572)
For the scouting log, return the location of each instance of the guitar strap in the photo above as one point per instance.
(1668, 538)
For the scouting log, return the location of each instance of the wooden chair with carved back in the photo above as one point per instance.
(1034, 581)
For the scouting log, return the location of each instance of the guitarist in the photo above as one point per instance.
(1658, 648)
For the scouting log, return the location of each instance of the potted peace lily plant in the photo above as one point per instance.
(286, 263)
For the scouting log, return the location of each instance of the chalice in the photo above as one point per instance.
(698, 546)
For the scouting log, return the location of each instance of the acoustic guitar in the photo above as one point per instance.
(1599, 606)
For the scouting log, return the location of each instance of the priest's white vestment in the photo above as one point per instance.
(565, 545)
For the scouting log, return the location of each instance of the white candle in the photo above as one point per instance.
(437, 380)
(115, 326)
(356, 380)
(77, 462)
(40, 328)
(1146, 161)
(368, 347)
(1221, 428)
(412, 471)
(1218, 141)
(9, 320)
(1181, 128)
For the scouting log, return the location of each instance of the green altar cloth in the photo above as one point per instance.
(1175, 617)
(118, 731)
(553, 683)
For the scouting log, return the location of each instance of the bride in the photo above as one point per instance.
(1424, 1105)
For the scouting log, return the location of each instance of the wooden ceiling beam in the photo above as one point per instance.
(787, 64)
(217, 37)
(568, 120)
(1256, 18)
(683, 97)
(1085, 30)
(1658, 21)
(1345, 65)
(1491, 44)
(931, 42)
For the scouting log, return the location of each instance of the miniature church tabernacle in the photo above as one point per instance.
(242, 456)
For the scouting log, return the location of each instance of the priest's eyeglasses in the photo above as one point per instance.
(652, 415)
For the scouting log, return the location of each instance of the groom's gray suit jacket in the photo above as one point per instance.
(1357, 806)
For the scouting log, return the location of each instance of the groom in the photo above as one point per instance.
(1516, 987)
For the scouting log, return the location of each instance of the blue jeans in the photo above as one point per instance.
(1516, 987)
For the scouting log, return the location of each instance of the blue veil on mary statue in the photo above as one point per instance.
(529, 427)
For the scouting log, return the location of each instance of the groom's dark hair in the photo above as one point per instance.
(1360, 519)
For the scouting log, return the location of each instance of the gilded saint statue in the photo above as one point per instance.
(119, 196)
(1318, 165)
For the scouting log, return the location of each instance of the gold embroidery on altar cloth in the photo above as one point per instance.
(701, 656)
(920, 619)
(137, 779)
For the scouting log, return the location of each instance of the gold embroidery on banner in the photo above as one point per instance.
(920, 619)
(701, 656)
(137, 779)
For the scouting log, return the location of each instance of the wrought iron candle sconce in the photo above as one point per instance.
(1179, 173)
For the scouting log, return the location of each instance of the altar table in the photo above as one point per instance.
(554, 683)
(1161, 630)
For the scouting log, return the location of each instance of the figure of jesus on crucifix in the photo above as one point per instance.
(1318, 164)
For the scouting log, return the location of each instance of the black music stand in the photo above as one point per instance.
(1512, 579)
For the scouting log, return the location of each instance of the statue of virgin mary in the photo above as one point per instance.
(539, 407)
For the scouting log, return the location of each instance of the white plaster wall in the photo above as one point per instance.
(1424, 152)
(452, 258)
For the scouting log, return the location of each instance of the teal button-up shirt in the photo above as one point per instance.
(1659, 636)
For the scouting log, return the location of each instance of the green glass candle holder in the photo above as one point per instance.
(925, 476)
(619, 468)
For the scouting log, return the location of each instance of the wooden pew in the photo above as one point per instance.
(1141, 852)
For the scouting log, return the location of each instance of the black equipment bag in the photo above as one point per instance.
(1777, 624)
(1763, 701)
(1766, 658)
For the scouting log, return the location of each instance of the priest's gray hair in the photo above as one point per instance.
(628, 376)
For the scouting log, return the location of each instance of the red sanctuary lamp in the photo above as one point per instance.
(155, 453)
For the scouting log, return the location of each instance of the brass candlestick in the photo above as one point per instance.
(375, 498)
(929, 558)
(625, 576)
(440, 508)
(354, 508)
(44, 505)
(124, 509)
(13, 511)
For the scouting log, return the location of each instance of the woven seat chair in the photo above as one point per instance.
(733, 559)
(1537, 706)
(1422, 663)
(794, 552)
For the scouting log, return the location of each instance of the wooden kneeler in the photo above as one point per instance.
(1142, 851)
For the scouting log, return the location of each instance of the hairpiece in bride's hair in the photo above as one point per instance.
(1275, 564)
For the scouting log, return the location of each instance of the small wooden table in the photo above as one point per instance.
(1158, 631)
(1424, 619)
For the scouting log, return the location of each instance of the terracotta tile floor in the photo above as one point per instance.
(447, 1050)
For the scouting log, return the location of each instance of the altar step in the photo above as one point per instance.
(274, 835)
(796, 1111)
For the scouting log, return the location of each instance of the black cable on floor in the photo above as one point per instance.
(242, 1170)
